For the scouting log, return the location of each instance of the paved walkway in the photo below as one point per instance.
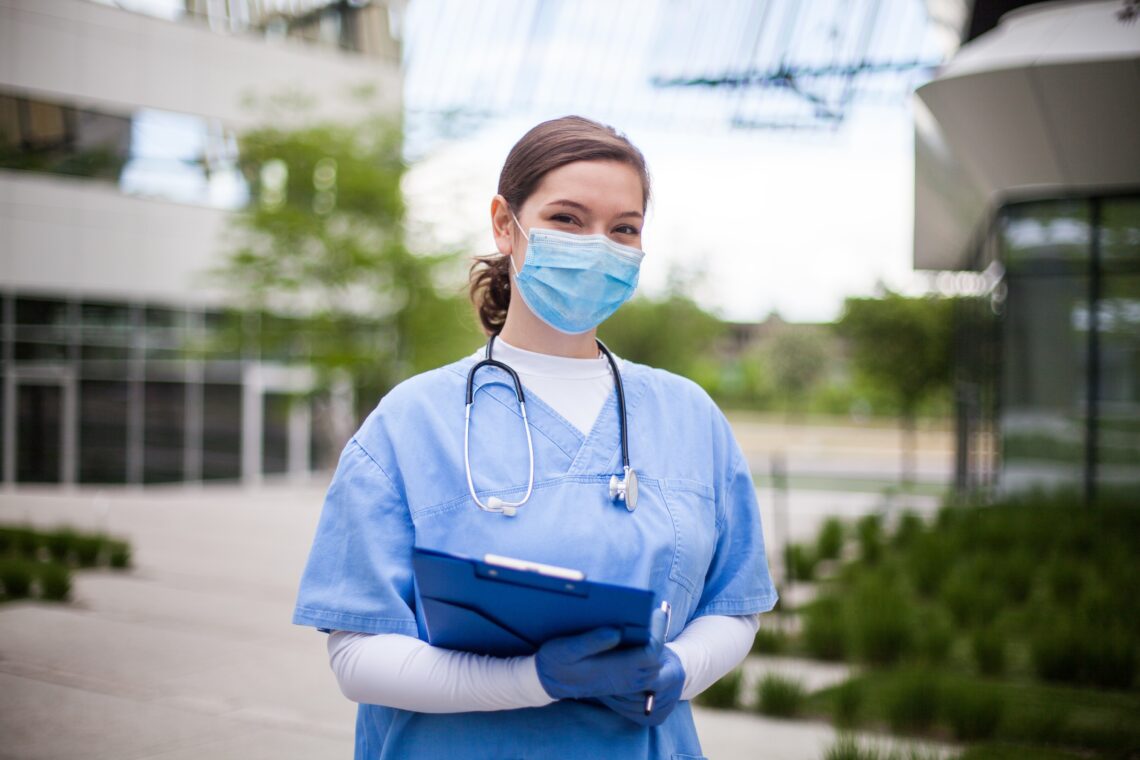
(192, 653)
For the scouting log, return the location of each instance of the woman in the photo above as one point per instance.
(567, 222)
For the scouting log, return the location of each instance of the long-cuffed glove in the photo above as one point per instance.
(587, 665)
(666, 688)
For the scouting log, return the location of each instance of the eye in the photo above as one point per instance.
(564, 219)
(627, 229)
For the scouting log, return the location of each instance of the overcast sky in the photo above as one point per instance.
(759, 220)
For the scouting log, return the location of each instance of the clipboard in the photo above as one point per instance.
(507, 607)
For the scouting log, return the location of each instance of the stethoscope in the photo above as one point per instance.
(623, 490)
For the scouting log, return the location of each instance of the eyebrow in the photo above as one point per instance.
(580, 207)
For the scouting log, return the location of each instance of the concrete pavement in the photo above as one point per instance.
(192, 653)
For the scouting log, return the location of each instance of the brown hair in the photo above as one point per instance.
(544, 148)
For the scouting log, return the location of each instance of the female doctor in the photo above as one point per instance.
(627, 473)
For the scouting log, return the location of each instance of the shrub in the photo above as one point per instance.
(847, 748)
(722, 695)
(769, 641)
(1071, 652)
(824, 631)
(869, 531)
(21, 541)
(55, 581)
(87, 550)
(934, 635)
(119, 553)
(972, 711)
(928, 560)
(799, 562)
(848, 703)
(988, 645)
(60, 544)
(881, 621)
(16, 577)
(779, 696)
(829, 543)
(910, 527)
(911, 701)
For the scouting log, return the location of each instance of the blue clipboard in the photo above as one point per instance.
(507, 607)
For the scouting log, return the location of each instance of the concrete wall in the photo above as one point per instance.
(106, 58)
(65, 235)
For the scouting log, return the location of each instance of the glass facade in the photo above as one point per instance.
(150, 153)
(1065, 328)
(102, 391)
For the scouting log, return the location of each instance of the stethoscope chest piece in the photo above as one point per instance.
(625, 489)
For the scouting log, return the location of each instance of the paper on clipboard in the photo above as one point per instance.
(505, 607)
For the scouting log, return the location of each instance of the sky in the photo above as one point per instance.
(754, 224)
(754, 221)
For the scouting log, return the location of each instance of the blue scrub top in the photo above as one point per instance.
(695, 538)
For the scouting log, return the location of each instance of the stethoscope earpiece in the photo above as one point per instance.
(623, 489)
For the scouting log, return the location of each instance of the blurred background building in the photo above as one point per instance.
(1028, 172)
(118, 174)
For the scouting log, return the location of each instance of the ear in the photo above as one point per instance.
(502, 225)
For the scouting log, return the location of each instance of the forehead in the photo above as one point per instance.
(604, 185)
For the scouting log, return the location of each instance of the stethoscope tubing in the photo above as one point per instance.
(498, 505)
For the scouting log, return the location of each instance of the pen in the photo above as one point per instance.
(649, 695)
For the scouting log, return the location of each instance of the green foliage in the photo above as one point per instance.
(119, 554)
(673, 333)
(39, 562)
(797, 358)
(848, 704)
(55, 581)
(825, 632)
(799, 562)
(829, 543)
(908, 530)
(912, 701)
(319, 259)
(61, 544)
(16, 577)
(769, 640)
(988, 646)
(724, 694)
(779, 696)
(881, 621)
(901, 344)
(869, 531)
(972, 710)
(847, 747)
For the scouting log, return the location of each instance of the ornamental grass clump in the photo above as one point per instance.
(779, 696)
(825, 633)
(972, 710)
(724, 694)
(16, 577)
(911, 701)
(55, 581)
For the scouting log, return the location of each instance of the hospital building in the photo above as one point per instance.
(118, 179)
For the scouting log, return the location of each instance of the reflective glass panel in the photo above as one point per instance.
(103, 431)
(39, 423)
(221, 432)
(164, 432)
(1044, 338)
(275, 433)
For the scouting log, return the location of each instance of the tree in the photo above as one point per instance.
(903, 346)
(320, 254)
(797, 358)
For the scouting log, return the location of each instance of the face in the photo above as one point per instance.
(584, 198)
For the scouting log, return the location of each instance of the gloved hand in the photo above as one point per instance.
(666, 688)
(575, 667)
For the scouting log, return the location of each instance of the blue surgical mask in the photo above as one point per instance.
(575, 282)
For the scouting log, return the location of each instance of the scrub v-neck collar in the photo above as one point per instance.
(596, 453)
